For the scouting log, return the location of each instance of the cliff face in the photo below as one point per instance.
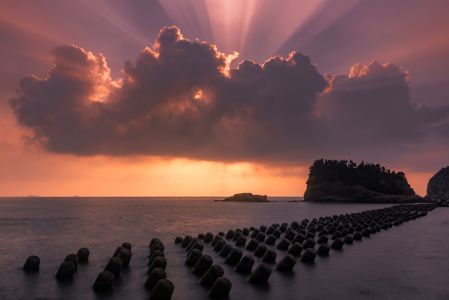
(438, 186)
(345, 181)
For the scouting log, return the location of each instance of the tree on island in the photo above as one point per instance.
(330, 174)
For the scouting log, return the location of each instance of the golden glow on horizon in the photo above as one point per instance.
(25, 171)
(100, 176)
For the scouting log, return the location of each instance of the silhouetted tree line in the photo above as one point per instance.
(371, 176)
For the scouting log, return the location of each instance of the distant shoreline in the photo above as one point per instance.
(77, 196)
(290, 199)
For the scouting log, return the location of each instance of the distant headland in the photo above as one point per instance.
(438, 187)
(347, 181)
(246, 197)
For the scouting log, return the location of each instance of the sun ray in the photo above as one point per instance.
(115, 19)
(234, 23)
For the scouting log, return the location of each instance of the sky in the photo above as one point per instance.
(204, 97)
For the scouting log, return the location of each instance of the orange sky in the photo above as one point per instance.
(26, 170)
(30, 171)
(102, 176)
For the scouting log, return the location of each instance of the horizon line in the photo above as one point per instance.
(134, 196)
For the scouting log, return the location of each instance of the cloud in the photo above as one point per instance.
(375, 97)
(370, 109)
(182, 98)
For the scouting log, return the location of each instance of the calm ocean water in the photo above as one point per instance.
(406, 262)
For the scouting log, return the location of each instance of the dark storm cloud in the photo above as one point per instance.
(377, 98)
(370, 112)
(182, 98)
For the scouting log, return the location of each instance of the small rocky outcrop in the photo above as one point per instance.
(246, 197)
(346, 181)
(438, 186)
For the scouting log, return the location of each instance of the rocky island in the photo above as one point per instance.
(346, 181)
(438, 187)
(246, 197)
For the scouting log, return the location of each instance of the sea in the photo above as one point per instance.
(410, 261)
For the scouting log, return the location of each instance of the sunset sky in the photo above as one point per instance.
(205, 97)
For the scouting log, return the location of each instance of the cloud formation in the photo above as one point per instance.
(372, 106)
(182, 98)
